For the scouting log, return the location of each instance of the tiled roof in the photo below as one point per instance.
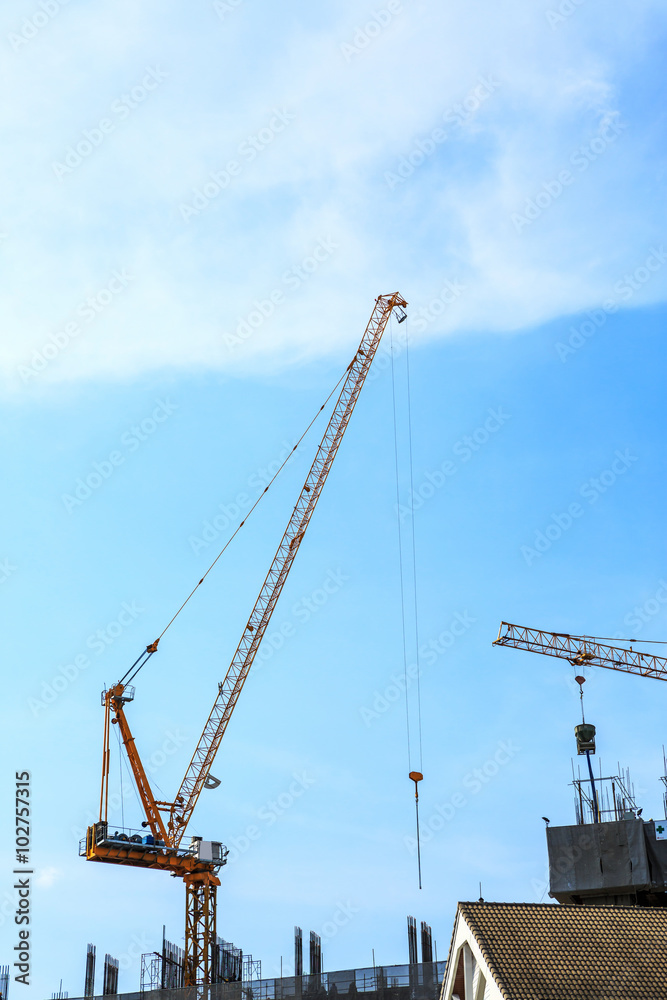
(539, 951)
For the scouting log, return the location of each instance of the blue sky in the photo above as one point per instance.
(198, 211)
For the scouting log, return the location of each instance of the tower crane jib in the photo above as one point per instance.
(582, 650)
(260, 616)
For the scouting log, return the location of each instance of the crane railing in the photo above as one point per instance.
(582, 650)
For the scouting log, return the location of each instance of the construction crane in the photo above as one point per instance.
(582, 651)
(199, 864)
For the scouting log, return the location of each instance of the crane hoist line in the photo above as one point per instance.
(199, 863)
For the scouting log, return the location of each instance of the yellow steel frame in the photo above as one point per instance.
(200, 879)
(259, 619)
(200, 928)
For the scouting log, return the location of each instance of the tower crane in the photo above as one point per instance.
(582, 651)
(199, 864)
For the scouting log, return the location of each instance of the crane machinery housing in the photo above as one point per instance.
(199, 863)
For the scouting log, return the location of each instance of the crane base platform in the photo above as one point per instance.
(132, 849)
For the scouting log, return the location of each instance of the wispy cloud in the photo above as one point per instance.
(350, 121)
(47, 877)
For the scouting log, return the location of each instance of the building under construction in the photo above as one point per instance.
(611, 855)
(239, 977)
(390, 982)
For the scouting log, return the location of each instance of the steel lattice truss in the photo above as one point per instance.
(200, 931)
(258, 622)
(582, 651)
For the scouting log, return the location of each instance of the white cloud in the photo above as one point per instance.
(46, 877)
(319, 177)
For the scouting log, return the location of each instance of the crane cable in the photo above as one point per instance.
(132, 783)
(120, 771)
(414, 547)
(400, 548)
(415, 776)
(146, 654)
(611, 638)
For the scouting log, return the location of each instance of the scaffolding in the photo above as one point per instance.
(162, 970)
(252, 969)
(615, 797)
(151, 972)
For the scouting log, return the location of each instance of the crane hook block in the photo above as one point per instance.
(153, 647)
(416, 776)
